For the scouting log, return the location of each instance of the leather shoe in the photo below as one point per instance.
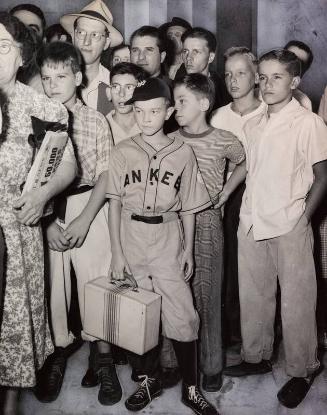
(212, 383)
(51, 376)
(169, 377)
(295, 390)
(248, 369)
(90, 378)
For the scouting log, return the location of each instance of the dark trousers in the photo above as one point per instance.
(231, 302)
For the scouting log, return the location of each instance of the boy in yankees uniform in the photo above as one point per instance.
(152, 178)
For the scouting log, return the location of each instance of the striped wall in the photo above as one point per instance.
(230, 20)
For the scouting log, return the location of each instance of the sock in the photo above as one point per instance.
(186, 353)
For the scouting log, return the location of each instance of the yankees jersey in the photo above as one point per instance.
(151, 182)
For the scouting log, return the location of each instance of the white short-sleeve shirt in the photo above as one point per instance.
(280, 152)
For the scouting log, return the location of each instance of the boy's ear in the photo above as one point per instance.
(78, 78)
(170, 110)
(295, 82)
(211, 57)
(162, 56)
(204, 104)
(256, 78)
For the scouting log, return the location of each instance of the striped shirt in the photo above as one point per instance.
(211, 149)
(92, 141)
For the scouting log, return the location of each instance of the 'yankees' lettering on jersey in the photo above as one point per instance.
(153, 182)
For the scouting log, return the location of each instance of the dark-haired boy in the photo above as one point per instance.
(286, 149)
(79, 235)
(194, 96)
(124, 78)
(153, 179)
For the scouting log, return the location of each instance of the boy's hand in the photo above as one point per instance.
(56, 238)
(76, 232)
(187, 264)
(29, 207)
(117, 267)
(223, 197)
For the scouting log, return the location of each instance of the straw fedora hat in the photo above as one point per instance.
(96, 10)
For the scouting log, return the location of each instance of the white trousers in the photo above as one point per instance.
(90, 261)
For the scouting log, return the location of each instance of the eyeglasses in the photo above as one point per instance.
(5, 47)
(128, 88)
(118, 59)
(94, 36)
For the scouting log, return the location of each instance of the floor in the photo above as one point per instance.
(254, 395)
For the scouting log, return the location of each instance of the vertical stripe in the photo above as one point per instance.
(136, 15)
(158, 12)
(180, 8)
(204, 14)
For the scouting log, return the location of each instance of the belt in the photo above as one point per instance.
(155, 220)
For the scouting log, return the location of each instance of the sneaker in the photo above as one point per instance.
(50, 377)
(193, 398)
(148, 389)
(110, 390)
(247, 369)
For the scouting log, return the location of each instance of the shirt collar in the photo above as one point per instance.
(151, 151)
(289, 108)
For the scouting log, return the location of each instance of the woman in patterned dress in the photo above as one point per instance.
(25, 339)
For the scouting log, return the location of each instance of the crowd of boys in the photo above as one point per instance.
(159, 206)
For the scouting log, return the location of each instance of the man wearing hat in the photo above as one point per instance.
(174, 31)
(92, 33)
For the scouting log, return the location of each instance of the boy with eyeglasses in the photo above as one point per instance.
(93, 33)
(124, 78)
(78, 234)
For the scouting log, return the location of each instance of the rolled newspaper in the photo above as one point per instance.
(46, 162)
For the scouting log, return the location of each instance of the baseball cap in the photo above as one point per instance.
(149, 89)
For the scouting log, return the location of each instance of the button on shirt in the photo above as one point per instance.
(280, 152)
(92, 141)
(154, 182)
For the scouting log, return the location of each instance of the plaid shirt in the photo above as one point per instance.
(92, 141)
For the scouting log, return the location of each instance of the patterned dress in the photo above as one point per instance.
(25, 339)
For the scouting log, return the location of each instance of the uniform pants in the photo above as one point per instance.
(153, 252)
(90, 261)
(206, 287)
(290, 257)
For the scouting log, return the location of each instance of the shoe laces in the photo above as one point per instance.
(106, 378)
(145, 387)
(195, 396)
